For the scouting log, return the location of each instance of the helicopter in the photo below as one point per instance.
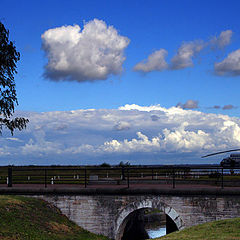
(232, 161)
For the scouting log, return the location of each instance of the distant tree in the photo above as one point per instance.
(8, 97)
(105, 165)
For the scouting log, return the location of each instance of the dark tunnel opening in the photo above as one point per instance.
(147, 223)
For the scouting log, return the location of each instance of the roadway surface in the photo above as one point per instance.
(155, 189)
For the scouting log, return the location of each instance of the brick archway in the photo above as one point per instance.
(154, 203)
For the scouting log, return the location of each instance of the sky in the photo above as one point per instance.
(148, 82)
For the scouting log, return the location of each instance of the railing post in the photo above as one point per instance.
(123, 173)
(45, 178)
(85, 177)
(127, 178)
(9, 177)
(173, 173)
(152, 173)
(222, 178)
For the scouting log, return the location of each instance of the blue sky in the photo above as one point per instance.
(193, 63)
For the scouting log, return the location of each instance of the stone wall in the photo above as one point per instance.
(107, 214)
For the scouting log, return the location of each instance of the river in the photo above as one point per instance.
(155, 223)
(157, 232)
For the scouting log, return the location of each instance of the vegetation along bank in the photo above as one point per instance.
(24, 218)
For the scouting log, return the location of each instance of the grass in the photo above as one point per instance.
(23, 218)
(220, 230)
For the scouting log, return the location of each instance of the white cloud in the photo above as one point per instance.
(89, 135)
(230, 66)
(91, 54)
(178, 139)
(185, 53)
(222, 40)
(190, 104)
(142, 144)
(142, 108)
(155, 62)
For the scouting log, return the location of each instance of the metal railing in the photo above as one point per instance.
(124, 176)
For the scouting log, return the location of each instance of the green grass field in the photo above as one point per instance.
(218, 230)
(36, 174)
(23, 218)
(82, 175)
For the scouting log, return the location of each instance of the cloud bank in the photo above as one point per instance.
(139, 134)
(93, 53)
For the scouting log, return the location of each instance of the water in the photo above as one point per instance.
(155, 223)
(157, 232)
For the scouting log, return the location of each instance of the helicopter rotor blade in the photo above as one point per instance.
(212, 154)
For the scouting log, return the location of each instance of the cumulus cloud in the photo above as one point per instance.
(185, 54)
(154, 62)
(170, 140)
(230, 66)
(93, 53)
(134, 145)
(190, 104)
(89, 136)
(222, 40)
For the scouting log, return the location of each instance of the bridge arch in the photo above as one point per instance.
(154, 203)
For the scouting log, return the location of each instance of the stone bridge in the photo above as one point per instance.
(107, 211)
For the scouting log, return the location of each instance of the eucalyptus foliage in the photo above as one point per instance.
(8, 97)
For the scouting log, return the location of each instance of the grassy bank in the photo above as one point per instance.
(24, 218)
(219, 230)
